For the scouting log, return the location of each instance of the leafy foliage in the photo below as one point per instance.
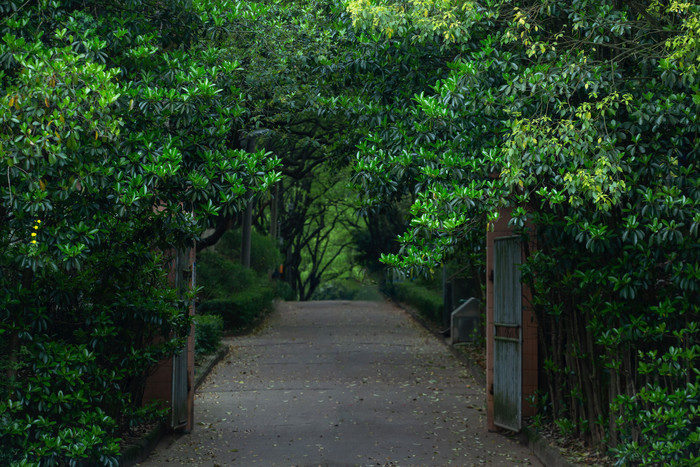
(129, 126)
(425, 300)
(580, 119)
(208, 330)
(118, 139)
(347, 290)
(219, 276)
(240, 296)
(264, 255)
(243, 310)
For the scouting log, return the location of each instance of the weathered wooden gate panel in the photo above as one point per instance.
(507, 303)
(180, 389)
(180, 370)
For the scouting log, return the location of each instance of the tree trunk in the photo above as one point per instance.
(598, 406)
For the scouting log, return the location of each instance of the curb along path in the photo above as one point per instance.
(340, 384)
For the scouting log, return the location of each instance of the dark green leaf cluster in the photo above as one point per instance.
(208, 330)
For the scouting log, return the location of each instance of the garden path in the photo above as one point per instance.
(340, 384)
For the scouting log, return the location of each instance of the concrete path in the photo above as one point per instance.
(340, 384)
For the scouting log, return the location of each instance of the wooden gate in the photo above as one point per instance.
(179, 400)
(507, 310)
(180, 385)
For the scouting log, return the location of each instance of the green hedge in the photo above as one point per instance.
(346, 290)
(284, 291)
(240, 296)
(220, 277)
(242, 310)
(208, 329)
(264, 255)
(427, 302)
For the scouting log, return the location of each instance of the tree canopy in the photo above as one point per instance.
(579, 120)
(128, 127)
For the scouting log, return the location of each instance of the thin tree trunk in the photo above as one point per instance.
(597, 407)
(558, 350)
(572, 380)
(630, 387)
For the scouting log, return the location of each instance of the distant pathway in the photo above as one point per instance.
(340, 384)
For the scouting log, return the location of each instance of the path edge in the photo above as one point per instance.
(538, 445)
(138, 452)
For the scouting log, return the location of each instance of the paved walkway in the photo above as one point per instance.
(340, 384)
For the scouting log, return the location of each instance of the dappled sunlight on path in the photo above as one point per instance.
(340, 384)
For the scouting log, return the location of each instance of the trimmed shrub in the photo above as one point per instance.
(346, 290)
(242, 310)
(334, 291)
(240, 296)
(284, 291)
(369, 293)
(427, 302)
(264, 254)
(208, 329)
(221, 277)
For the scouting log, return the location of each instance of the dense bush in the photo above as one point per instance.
(264, 254)
(241, 310)
(221, 277)
(82, 366)
(284, 291)
(240, 296)
(346, 290)
(208, 329)
(118, 139)
(578, 120)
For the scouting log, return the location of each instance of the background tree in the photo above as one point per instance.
(287, 51)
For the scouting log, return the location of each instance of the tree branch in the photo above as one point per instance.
(222, 225)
